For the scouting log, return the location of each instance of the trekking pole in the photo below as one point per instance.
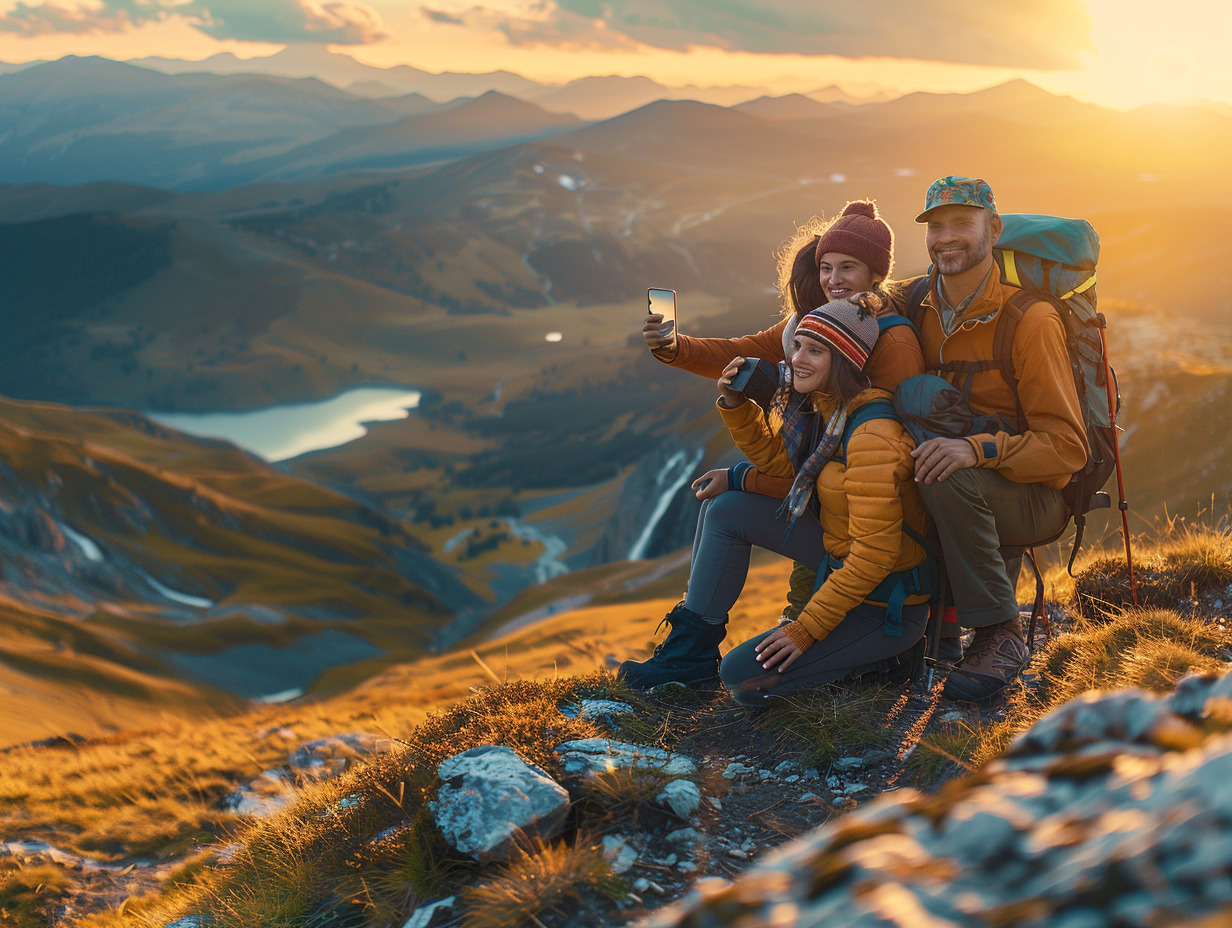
(1122, 504)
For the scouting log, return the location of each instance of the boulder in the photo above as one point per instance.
(681, 796)
(490, 797)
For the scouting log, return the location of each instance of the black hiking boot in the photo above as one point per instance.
(689, 655)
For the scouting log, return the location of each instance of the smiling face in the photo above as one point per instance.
(959, 237)
(843, 276)
(810, 365)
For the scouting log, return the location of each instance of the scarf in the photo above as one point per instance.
(794, 406)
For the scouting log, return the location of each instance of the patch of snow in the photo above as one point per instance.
(88, 547)
(185, 599)
(455, 540)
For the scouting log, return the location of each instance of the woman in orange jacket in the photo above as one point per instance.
(833, 435)
(825, 260)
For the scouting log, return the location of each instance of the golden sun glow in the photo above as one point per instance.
(1142, 54)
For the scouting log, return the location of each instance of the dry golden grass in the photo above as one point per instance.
(1189, 563)
(947, 748)
(153, 792)
(1147, 648)
(548, 878)
(830, 721)
(30, 892)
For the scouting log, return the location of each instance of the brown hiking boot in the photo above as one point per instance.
(996, 656)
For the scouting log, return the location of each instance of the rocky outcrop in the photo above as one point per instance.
(1112, 810)
(490, 799)
(597, 755)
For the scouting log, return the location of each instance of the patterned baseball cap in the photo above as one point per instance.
(960, 191)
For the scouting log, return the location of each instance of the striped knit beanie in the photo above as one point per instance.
(861, 233)
(850, 328)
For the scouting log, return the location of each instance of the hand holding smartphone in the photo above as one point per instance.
(659, 330)
(743, 373)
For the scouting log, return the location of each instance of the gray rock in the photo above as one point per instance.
(737, 769)
(595, 709)
(619, 852)
(844, 764)
(432, 914)
(489, 796)
(188, 921)
(598, 755)
(1221, 688)
(270, 792)
(336, 751)
(683, 836)
(1079, 918)
(1189, 698)
(681, 796)
(1106, 812)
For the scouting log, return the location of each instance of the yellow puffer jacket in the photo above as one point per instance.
(863, 504)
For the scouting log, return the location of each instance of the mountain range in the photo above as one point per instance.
(438, 246)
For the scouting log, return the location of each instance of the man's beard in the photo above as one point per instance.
(969, 257)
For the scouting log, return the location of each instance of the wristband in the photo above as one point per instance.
(735, 475)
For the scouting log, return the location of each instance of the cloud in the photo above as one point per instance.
(51, 19)
(338, 22)
(1037, 34)
(439, 16)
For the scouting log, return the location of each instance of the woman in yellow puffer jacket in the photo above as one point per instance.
(837, 437)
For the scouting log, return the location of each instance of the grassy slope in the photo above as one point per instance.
(153, 791)
(204, 518)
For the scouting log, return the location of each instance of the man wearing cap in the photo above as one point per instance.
(1002, 484)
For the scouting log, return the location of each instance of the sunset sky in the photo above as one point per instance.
(1115, 52)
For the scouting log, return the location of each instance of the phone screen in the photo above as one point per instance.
(664, 303)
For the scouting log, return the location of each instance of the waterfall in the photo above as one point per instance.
(674, 475)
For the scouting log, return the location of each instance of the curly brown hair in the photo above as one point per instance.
(799, 279)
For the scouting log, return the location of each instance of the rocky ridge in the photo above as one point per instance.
(1112, 810)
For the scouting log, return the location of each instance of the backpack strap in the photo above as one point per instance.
(874, 409)
(914, 310)
(1002, 355)
(890, 320)
(895, 589)
(1003, 345)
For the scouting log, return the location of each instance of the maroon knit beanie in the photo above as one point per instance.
(861, 233)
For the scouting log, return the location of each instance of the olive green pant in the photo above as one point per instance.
(976, 512)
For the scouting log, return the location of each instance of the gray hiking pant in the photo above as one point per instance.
(977, 511)
(728, 527)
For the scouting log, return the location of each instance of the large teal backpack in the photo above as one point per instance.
(1054, 259)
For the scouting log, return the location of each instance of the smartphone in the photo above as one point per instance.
(664, 303)
(743, 373)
